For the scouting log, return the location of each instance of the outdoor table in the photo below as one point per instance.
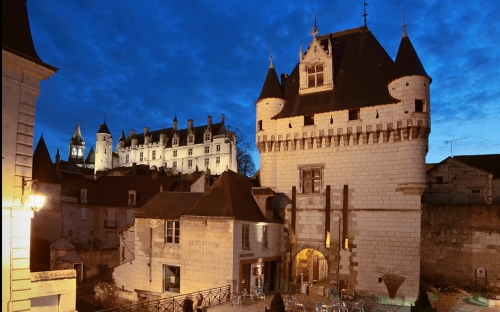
(327, 307)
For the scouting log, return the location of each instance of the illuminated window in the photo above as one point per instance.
(245, 237)
(315, 75)
(171, 278)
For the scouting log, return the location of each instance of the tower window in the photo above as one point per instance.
(419, 105)
(354, 114)
(308, 120)
(315, 75)
(311, 180)
(259, 125)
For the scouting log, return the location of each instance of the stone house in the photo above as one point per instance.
(472, 179)
(186, 242)
(342, 141)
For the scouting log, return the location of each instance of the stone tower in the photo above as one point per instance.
(103, 149)
(343, 139)
(76, 146)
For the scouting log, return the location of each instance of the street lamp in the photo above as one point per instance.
(36, 201)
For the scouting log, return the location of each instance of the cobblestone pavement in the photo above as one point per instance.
(248, 305)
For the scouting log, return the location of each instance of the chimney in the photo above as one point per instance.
(209, 122)
(190, 126)
(58, 162)
(146, 130)
(132, 132)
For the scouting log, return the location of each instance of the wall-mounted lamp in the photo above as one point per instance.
(36, 201)
(327, 239)
(377, 114)
(331, 119)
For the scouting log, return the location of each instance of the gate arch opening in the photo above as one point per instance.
(311, 266)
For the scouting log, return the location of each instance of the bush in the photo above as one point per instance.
(277, 304)
(422, 304)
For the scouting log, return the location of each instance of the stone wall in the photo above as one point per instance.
(459, 239)
(111, 257)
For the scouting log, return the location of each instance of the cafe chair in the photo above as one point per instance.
(244, 293)
(343, 307)
(319, 306)
(358, 305)
(300, 304)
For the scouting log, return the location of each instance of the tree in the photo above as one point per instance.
(244, 160)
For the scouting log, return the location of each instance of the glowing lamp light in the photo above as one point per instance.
(327, 239)
(346, 243)
(36, 201)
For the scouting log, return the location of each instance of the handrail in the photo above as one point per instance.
(211, 297)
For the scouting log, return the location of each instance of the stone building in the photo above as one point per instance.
(210, 147)
(186, 242)
(472, 179)
(22, 71)
(342, 139)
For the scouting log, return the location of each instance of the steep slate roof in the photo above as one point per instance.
(489, 162)
(90, 157)
(361, 73)
(217, 128)
(229, 197)
(168, 205)
(43, 168)
(16, 32)
(77, 136)
(407, 61)
(272, 87)
(103, 129)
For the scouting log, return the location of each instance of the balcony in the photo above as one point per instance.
(108, 224)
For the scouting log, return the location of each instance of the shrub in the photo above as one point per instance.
(422, 304)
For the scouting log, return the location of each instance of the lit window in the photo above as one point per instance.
(171, 278)
(245, 237)
(311, 180)
(207, 149)
(354, 114)
(172, 230)
(217, 147)
(264, 237)
(207, 162)
(190, 152)
(175, 153)
(153, 155)
(190, 163)
(141, 156)
(315, 75)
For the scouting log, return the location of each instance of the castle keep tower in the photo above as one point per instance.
(103, 149)
(343, 139)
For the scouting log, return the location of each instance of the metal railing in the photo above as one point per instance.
(211, 297)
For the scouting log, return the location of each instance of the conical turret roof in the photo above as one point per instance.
(407, 61)
(122, 136)
(43, 168)
(90, 157)
(272, 87)
(103, 128)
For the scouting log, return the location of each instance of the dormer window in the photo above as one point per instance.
(315, 75)
(132, 198)
(191, 139)
(175, 141)
(207, 136)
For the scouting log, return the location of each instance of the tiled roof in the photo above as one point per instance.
(63, 244)
(43, 168)
(90, 157)
(16, 32)
(489, 162)
(272, 87)
(361, 72)
(103, 129)
(71, 257)
(168, 205)
(217, 128)
(229, 197)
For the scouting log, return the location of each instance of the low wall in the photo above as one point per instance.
(111, 257)
(457, 240)
(53, 291)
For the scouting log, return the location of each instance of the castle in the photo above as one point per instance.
(210, 147)
(343, 140)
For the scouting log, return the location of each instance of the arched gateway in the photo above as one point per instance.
(309, 265)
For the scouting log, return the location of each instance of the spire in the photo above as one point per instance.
(407, 61)
(122, 136)
(43, 168)
(314, 31)
(404, 26)
(103, 128)
(272, 87)
(271, 57)
(364, 9)
(77, 136)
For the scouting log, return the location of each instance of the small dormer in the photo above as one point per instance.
(316, 66)
(132, 197)
(175, 140)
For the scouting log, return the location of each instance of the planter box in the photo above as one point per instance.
(489, 302)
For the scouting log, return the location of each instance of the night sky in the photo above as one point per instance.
(140, 63)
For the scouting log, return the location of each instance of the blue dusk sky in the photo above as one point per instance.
(140, 63)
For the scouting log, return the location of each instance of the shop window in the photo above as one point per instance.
(171, 278)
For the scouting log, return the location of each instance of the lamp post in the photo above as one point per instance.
(36, 201)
